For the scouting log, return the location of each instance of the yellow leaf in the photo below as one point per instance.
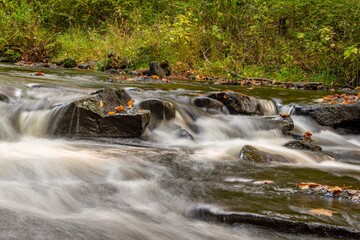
(101, 103)
(155, 76)
(111, 113)
(130, 103)
(322, 211)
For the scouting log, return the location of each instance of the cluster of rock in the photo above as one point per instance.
(345, 118)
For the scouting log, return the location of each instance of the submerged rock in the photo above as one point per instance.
(94, 116)
(284, 124)
(343, 118)
(238, 103)
(303, 145)
(4, 98)
(210, 105)
(252, 154)
(160, 110)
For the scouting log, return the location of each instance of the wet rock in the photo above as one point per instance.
(303, 145)
(6, 60)
(87, 65)
(344, 118)
(89, 117)
(160, 110)
(252, 154)
(238, 103)
(210, 105)
(112, 71)
(284, 124)
(182, 133)
(277, 224)
(166, 66)
(69, 63)
(155, 69)
(4, 98)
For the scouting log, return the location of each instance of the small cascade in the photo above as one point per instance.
(268, 107)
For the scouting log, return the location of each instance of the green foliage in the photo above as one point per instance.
(306, 40)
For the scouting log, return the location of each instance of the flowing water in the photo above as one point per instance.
(148, 188)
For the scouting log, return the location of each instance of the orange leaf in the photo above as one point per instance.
(335, 189)
(322, 211)
(307, 185)
(155, 76)
(120, 108)
(284, 115)
(39, 74)
(111, 113)
(130, 103)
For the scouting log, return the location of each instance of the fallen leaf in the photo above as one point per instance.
(101, 103)
(130, 103)
(111, 113)
(120, 108)
(335, 189)
(322, 211)
(307, 185)
(39, 74)
(284, 115)
(155, 76)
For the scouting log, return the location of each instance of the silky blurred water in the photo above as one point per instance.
(147, 188)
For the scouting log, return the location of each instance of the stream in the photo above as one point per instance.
(154, 187)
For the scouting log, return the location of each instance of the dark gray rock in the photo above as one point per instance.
(210, 105)
(4, 98)
(279, 224)
(284, 124)
(6, 60)
(303, 145)
(344, 118)
(160, 110)
(166, 66)
(252, 154)
(87, 65)
(238, 103)
(88, 117)
(69, 63)
(155, 69)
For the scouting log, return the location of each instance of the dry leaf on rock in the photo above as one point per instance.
(322, 211)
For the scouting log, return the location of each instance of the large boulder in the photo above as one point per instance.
(155, 69)
(160, 110)
(344, 118)
(238, 103)
(252, 154)
(210, 105)
(95, 116)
